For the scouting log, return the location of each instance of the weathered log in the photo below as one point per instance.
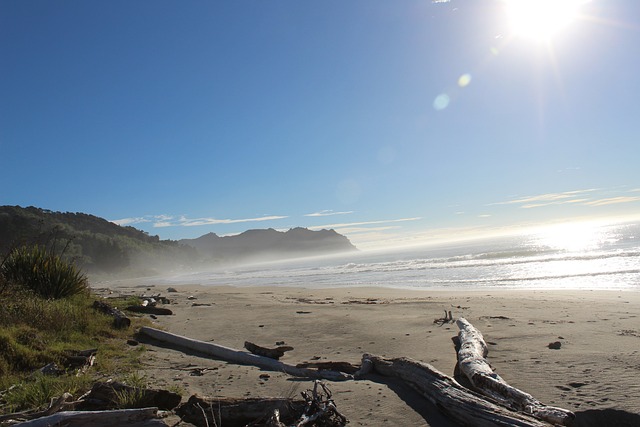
(130, 417)
(345, 367)
(237, 412)
(105, 395)
(472, 362)
(271, 353)
(317, 409)
(149, 309)
(455, 401)
(236, 356)
(120, 320)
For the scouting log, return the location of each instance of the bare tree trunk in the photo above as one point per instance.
(472, 362)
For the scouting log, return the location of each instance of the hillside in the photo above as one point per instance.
(101, 247)
(95, 244)
(270, 244)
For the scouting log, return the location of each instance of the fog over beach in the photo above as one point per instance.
(586, 256)
(522, 292)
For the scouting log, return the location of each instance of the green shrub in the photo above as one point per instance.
(43, 272)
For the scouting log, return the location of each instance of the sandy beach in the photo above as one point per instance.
(594, 373)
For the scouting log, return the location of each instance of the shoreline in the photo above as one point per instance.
(596, 368)
(160, 282)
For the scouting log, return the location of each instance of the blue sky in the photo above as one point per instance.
(391, 122)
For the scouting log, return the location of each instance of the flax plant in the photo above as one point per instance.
(43, 272)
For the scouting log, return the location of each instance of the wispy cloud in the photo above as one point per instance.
(589, 197)
(195, 222)
(328, 213)
(356, 224)
(161, 221)
(142, 219)
(545, 199)
(613, 201)
(129, 221)
(358, 230)
(555, 202)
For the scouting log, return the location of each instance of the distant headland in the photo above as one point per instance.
(101, 247)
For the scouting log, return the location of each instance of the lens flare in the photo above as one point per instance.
(441, 102)
(464, 80)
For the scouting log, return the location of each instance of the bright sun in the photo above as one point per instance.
(541, 19)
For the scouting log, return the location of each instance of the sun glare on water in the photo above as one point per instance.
(541, 19)
(575, 237)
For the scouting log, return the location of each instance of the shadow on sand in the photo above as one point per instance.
(415, 401)
(606, 417)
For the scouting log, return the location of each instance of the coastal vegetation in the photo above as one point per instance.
(46, 318)
(43, 272)
(94, 244)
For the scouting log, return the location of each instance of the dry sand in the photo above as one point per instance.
(595, 373)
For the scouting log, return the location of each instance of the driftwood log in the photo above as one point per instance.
(472, 362)
(241, 357)
(201, 411)
(55, 406)
(146, 417)
(455, 401)
(462, 405)
(271, 353)
(105, 395)
(120, 320)
(315, 409)
(150, 309)
(346, 367)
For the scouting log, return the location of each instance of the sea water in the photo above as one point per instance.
(569, 256)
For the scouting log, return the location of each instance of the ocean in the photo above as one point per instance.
(571, 256)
